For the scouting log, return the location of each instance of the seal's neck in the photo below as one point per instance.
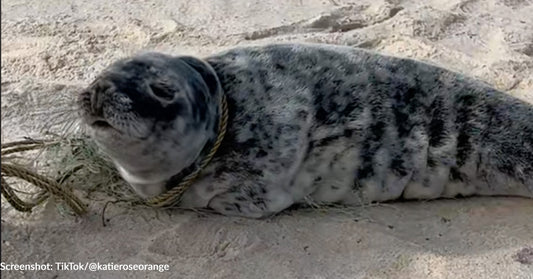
(216, 136)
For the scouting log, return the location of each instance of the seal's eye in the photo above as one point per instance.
(162, 92)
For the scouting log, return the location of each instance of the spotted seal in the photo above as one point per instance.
(326, 123)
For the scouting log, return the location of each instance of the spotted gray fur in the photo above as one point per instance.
(325, 123)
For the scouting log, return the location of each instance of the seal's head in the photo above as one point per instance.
(152, 114)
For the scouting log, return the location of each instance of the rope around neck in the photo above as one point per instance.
(173, 196)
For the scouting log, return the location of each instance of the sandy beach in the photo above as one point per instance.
(53, 48)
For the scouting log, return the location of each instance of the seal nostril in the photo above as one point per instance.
(162, 92)
(84, 100)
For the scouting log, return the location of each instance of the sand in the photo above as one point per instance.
(53, 48)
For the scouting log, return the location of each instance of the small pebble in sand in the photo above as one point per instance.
(524, 256)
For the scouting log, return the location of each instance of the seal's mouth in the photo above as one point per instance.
(91, 114)
(101, 124)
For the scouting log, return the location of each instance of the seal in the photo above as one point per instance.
(326, 123)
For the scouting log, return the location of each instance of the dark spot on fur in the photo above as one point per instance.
(378, 129)
(426, 183)
(397, 166)
(431, 162)
(252, 142)
(405, 103)
(456, 175)
(437, 130)
(356, 185)
(261, 153)
(260, 202)
(464, 147)
(302, 114)
(325, 141)
(365, 171)
(465, 128)
(321, 115)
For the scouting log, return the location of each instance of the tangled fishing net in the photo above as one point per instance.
(71, 169)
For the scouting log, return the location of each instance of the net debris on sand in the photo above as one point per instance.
(71, 169)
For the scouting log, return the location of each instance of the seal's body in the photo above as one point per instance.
(309, 122)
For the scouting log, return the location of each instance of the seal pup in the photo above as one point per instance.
(332, 124)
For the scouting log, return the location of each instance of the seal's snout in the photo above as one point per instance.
(91, 102)
(96, 103)
(84, 100)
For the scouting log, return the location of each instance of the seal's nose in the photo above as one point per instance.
(97, 103)
(91, 104)
(92, 99)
